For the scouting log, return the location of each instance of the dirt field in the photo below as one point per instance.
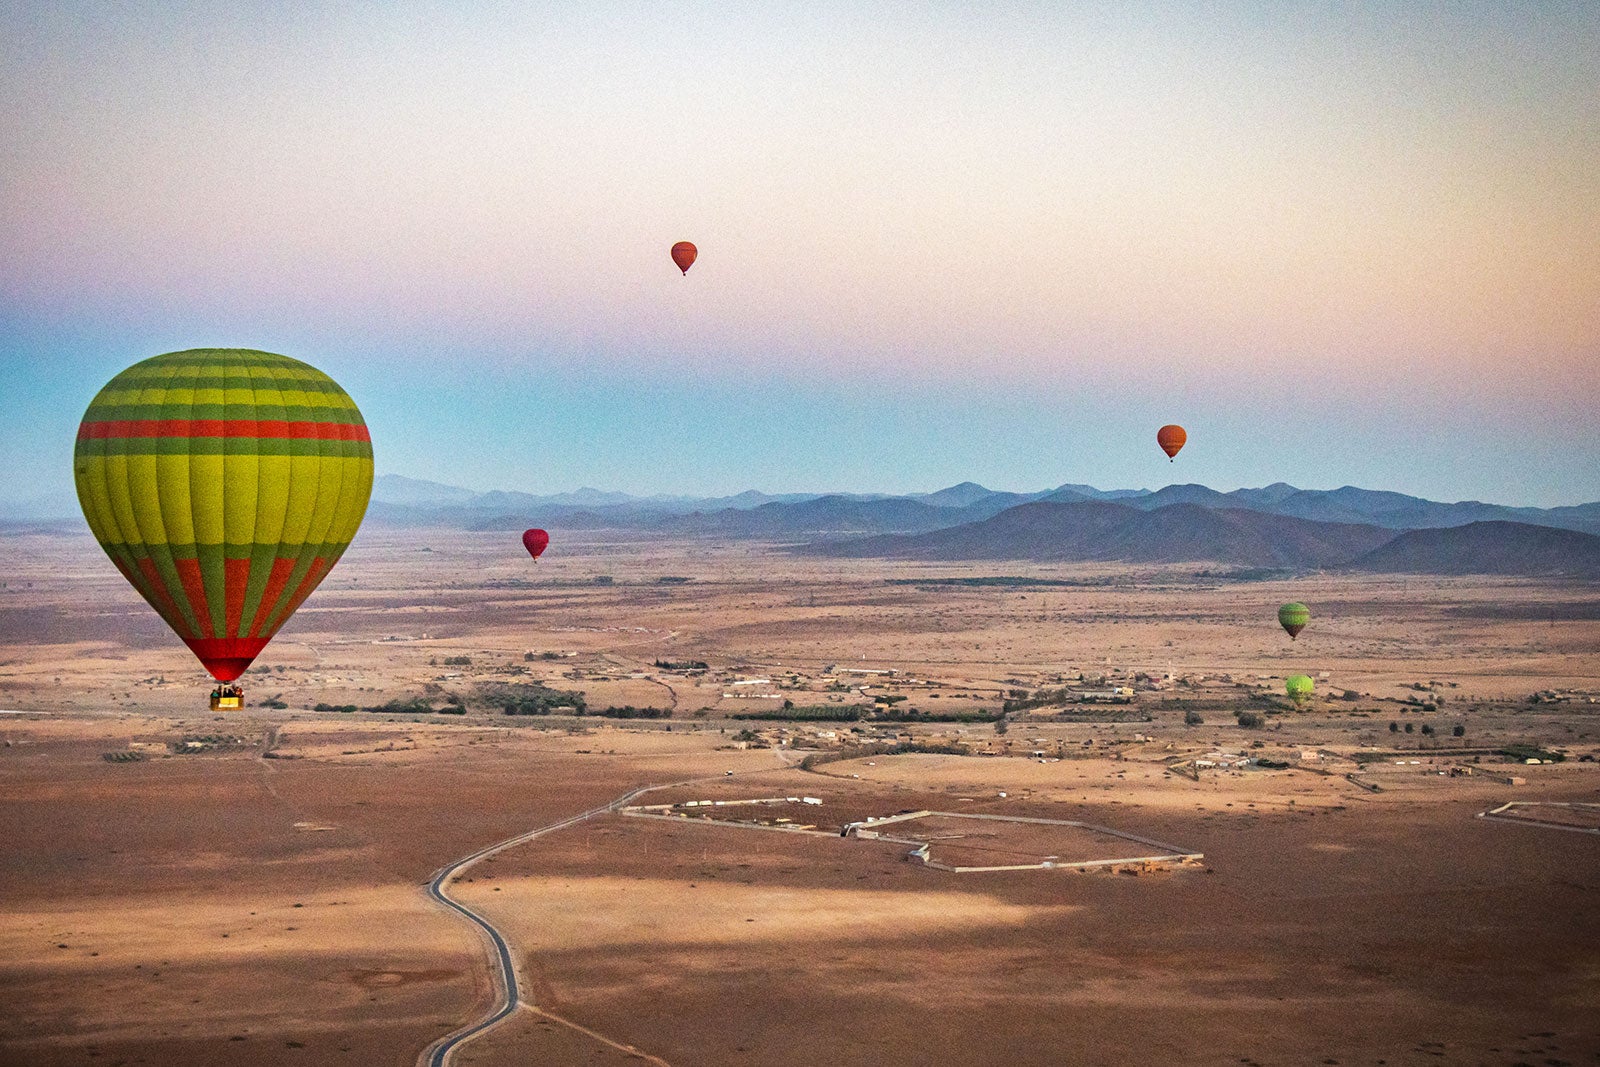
(1361, 931)
(1576, 816)
(249, 888)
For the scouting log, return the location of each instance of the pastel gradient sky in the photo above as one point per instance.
(1340, 243)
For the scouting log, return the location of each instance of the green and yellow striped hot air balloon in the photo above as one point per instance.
(1293, 618)
(224, 483)
(1299, 686)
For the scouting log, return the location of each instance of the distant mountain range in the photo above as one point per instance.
(1276, 526)
(1096, 530)
(409, 501)
(1102, 531)
(1511, 548)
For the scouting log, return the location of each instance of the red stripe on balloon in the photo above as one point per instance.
(157, 587)
(281, 569)
(268, 428)
(319, 570)
(194, 587)
(236, 576)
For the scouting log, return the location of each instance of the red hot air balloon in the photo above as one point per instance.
(1171, 439)
(683, 254)
(535, 541)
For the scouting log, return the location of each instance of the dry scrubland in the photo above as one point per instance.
(217, 906)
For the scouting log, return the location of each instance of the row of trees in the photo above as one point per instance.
(805, 713)
(1458, 730)
(1021, 700)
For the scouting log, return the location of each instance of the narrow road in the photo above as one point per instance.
(507, 997)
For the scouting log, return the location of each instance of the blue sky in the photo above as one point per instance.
(1349, 244)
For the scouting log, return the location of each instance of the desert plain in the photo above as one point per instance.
(186, 887)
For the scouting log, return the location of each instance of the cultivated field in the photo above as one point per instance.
(183, 887)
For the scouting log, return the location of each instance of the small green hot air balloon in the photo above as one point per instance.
(1293, 618)
(1298, 686)
(224, 484)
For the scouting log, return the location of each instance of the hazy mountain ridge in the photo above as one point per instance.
(1351, 504)
(1104, 531)
(399, 490)
(1275, 526)
(1497, 547)
(404, 501)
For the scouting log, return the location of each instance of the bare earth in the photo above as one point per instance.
(257, 895)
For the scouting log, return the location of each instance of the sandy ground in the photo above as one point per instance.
(1371, 929)
(219, 906)
(73, 635)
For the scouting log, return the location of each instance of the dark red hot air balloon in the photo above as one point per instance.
(1171, 439)
(683, 254)
(535, 541)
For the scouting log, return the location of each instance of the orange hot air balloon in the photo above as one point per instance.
(1171, 439)
(683, 254)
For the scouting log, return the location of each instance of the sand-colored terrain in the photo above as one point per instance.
(248, 888)
(1364, 930)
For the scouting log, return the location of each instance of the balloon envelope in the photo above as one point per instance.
(683, 254)
(1293, 618)
(1171, 439)
(224, 484)
(535, 541)
(1298, 686)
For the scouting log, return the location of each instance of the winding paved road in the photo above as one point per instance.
(505, 978)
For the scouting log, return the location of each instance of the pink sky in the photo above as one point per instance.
(1191, 197)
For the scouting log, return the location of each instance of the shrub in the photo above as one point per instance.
(531, 698)
(400, 706)
(628, 711)
(805, 713)
(1038, 699)
(1522, 751)
(1193, 718)
(1251, 720)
